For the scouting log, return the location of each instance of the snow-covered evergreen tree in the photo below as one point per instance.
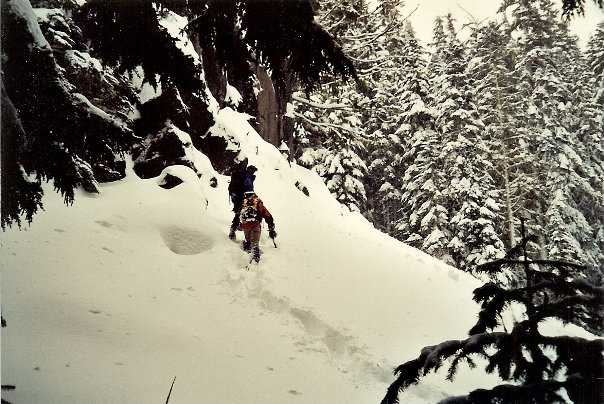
(329, 130)
(560, 123)
(467, 187)
(595, 55)
(341, 167)
(397, 111)
(15, 181)
(418, 162)
(65, 135)
(499, 98)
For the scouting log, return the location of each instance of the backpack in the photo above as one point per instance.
(249, 210)
(236, 184)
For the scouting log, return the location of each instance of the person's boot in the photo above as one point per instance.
(246, 246)
(232, 234)
(256, 254)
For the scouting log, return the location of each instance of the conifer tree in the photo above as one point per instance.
(424, 215)
(128, 35)
(499, 94)
(424, 218)
(542, 368)
(595, 56)
(560, 125)
(328, 128)
(571, 8)
(418, 165)
(401, 110)
(63, 134)
(371, 38)
(20, 194)
(381, 60)
(467, 186)
(338, 163)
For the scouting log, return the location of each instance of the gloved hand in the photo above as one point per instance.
(272, 233)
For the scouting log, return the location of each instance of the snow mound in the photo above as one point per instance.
(185, 241)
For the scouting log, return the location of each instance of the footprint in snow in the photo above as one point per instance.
(103, 223)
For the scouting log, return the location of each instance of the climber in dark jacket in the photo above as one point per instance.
(241, 181)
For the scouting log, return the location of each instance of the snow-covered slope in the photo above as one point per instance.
(110, 299)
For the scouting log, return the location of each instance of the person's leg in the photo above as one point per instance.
(248, 237)
(234, 225)
(255, 241)
(237, 202)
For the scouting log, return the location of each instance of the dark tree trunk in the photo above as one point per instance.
(215, 78)
(268, 108)
(284, 90)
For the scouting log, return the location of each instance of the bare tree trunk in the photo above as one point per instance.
(268, 108)
(506, 179)
(215, 78)
(272, 100)
(285, 92)
(508, 207)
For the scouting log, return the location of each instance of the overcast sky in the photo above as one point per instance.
(428, 10)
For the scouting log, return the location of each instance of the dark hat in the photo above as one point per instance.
(253, 168)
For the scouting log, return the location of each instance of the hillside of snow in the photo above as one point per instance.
(110, 299)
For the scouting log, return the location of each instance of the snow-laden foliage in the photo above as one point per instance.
(328, 134)
(341, 168)
(64, 136)
(15, 180)
(595, 55)
(460, 149)
(539, 368)
(396, 131)
(466, 184)
(562, 130)
(128, 35)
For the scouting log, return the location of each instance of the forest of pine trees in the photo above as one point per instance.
(444, 147)
(454, 143)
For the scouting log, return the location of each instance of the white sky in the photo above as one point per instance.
(428, 10)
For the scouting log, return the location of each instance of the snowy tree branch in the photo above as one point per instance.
(332, 126)
(322, 106)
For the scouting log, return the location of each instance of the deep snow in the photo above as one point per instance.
(109, 299)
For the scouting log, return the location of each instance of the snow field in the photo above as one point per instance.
(109, 299)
